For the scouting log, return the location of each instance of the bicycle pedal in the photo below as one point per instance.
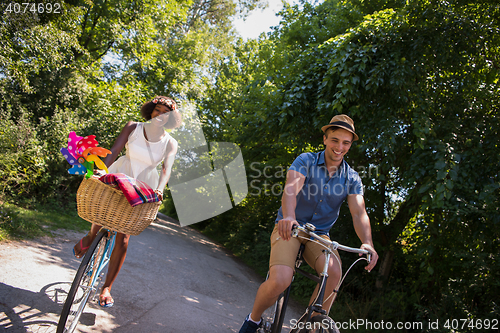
(264, 328)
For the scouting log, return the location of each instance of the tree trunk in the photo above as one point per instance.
(385, 268)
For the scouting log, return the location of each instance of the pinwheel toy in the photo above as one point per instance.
(82, 153)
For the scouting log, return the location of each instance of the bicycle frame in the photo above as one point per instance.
(108, 249)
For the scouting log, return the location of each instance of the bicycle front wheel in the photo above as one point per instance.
(83, 285)
(319, 324)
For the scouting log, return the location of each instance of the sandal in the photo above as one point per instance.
(83, 249)
(102, 302)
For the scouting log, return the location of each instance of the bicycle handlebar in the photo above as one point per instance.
(333, 245)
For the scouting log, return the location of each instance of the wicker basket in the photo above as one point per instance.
(106, 206)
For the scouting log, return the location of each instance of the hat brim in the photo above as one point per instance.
(324, 128)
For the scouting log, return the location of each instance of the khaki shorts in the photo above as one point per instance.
(285, 252)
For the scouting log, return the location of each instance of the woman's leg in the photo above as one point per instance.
(82, 246)
(115, 264)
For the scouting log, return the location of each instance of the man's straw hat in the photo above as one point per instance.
(342, 121)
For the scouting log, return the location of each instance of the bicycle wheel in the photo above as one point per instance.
(319, 324)
(83, 285)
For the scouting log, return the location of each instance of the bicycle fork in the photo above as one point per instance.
(317, 304)
(101, 264)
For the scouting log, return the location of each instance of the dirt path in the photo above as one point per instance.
(173, 280)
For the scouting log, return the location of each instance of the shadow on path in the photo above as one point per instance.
(22, 310)
(174, 280)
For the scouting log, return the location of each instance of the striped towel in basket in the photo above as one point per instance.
(135, 191)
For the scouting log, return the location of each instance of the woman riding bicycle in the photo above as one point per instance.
(147, 146)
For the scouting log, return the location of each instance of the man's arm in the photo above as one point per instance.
(362, 226)
(294, 182)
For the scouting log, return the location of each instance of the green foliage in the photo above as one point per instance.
(11, 223)
(421, 81)
(22, 162)
(39, 220)
(56, 78)
(32, 47)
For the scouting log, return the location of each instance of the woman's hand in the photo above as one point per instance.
(98, 173)
(159, 193)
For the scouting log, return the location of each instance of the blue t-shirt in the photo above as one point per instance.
(320, 199)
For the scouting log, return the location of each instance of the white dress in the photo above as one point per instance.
(142, 157)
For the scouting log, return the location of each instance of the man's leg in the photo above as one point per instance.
(281, 262)
(280, 277)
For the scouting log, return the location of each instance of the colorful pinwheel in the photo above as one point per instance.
(82, 153)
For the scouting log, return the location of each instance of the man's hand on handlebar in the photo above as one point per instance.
(374, 256)
(285, 228)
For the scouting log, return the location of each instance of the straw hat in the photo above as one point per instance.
(342, 121)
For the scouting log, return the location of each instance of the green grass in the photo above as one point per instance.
(22, 223)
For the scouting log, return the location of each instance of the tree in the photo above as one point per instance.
(100, 60)
(421, 81)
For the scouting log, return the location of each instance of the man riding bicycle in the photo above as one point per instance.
(316, 186)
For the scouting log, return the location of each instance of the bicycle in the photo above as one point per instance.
(106, 206)
(87, 280)
(273, 321)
